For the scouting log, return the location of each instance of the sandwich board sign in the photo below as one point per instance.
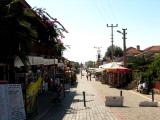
(11, 102)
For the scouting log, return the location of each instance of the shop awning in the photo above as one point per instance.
(98, 70)
(117, 69)
(110, 65)
(35, 60)
(114, 67)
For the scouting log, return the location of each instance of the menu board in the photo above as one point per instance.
(3, 103)
(11, 102)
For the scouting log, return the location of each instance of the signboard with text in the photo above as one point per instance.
(11, 102)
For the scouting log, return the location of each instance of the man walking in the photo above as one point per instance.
(90, 75)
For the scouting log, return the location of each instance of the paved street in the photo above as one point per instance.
(72, 107)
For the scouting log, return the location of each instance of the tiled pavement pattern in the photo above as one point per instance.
(72, 107)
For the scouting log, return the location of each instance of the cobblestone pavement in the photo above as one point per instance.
(72, 107)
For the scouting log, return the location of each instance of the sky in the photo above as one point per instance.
(86, 22)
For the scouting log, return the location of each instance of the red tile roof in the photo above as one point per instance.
(132, 51)
(153, 48)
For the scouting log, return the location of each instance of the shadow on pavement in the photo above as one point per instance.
(74, 85)
(81, 100)
(59, 110)
(80, 94)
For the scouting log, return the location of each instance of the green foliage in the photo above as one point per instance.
(90, 64)
(136, 61)
(16, 31)
(154, 68)
(151, 72)
(55, 30)
(59, 48)
(117, 51)
(19, 30)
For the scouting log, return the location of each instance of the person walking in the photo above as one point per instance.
(87, 76)
(90, 75)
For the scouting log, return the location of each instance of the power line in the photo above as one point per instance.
(105, 8)
(112, 13)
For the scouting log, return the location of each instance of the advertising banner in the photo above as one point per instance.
(32, 92)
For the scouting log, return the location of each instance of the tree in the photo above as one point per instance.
(117, 52)
(55, 30)
(154, 68)
(20, 28)
(16, 33)
(90, 64)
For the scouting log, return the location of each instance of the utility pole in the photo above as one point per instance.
(124, 46)
(112, 26)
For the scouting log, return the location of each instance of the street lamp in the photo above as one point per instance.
(98, 54)
(124, 46)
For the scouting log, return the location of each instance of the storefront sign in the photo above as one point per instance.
(11, 102)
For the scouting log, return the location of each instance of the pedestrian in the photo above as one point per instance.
(87, 76)
(140, 87)
(90, 75)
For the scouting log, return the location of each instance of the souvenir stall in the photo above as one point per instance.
(114, 74)
(99, 74)
(36, 81)
(117, 76)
